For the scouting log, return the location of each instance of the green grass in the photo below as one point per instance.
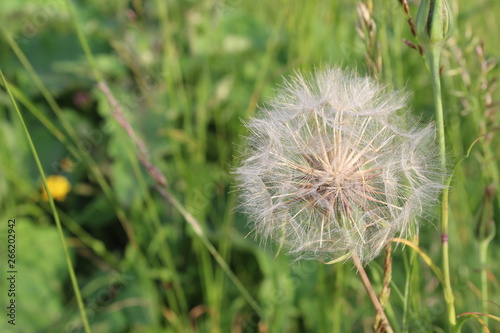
(187, 73)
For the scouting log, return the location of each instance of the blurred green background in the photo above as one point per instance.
(187, 74)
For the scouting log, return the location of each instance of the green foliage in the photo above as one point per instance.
(41, 260)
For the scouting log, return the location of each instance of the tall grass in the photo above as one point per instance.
(185, 75)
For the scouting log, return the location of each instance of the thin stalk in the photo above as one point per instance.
(83, 42)
(338, 299)
(386, 290)
(371, 293)
(433, 55)
(72, 148)
(485, 233)
(201, 235)
(423, 256)
(322, 300)
(483, 259)
(179, 303)
(410, 264)
(71, 270)
(162, 185)
(406, 301)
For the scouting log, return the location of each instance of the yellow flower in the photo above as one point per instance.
(59, 187)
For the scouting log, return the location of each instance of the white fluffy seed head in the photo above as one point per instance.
(336, 167)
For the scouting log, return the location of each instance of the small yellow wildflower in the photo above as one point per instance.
(59, 187)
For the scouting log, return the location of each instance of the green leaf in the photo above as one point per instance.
(40, 278)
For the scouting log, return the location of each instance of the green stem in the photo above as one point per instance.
(483, 259)
(338, 299)
(71, 270)
(433, 55)
(410, 267)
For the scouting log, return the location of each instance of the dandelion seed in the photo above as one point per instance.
(336, 167)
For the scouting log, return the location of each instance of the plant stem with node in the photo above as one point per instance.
(433, 55)
(434, 25)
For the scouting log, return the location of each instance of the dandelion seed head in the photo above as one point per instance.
(335, 166)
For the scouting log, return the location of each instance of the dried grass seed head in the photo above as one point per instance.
(336, 166)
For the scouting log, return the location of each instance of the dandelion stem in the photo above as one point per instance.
(433, 55)
(371, 293)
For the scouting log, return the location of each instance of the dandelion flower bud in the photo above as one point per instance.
(336, 167)
(434, 22)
